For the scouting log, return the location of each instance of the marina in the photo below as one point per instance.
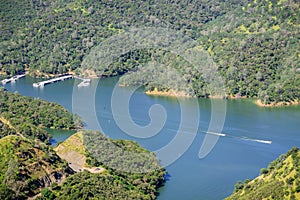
(43, 83)
(12, 79)
(84, 83)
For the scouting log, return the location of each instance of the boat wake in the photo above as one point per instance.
(260, 141)
(239, 137)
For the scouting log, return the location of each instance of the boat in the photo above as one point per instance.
(218, 134)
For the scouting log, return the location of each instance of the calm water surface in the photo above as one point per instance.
(233, 158)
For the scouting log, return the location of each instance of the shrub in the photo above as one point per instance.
(264, 171)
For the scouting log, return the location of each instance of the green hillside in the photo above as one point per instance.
(255, 44)
(257, 50)
(27, 166)
(279, 181)
(54, 36)
(28, 116)
(88, 150)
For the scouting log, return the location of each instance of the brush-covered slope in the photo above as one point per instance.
(279, 181)
(27, 166)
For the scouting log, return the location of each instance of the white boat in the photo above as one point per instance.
(264, 141)
(83, 84)
(218, 134)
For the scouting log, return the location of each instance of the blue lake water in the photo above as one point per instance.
(238, 156)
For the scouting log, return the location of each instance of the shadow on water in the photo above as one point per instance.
(58, 136)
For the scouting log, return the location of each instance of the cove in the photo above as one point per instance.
(238, 156)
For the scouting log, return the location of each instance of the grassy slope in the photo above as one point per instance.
(87, 144)
(74, 152)
(279, 181)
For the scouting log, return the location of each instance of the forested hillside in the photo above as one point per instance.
(255, 44)
(29, 117)
(257, 50)
(54, 36)
(119, 179)
(279, 181)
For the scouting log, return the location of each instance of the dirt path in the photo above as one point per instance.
(5, 121)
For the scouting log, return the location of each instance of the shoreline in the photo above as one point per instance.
(259, 103)
(169, 93)
(175, 94)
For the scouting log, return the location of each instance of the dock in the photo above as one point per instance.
(43, 83)
(12, 79)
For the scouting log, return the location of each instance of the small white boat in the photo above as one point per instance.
(218, 134)
(84, 83)
(264, 141)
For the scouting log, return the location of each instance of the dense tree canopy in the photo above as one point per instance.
(53, 36)
(254, 43)
(29, 116)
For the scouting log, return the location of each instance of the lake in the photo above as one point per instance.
(238, 156)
